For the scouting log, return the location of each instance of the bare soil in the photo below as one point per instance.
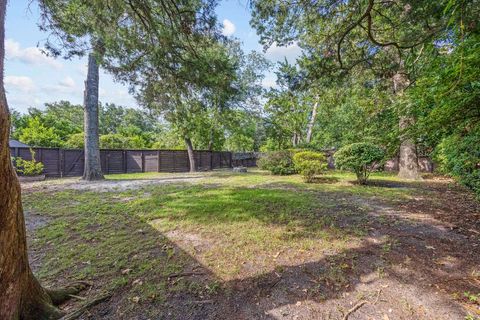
(417, 261)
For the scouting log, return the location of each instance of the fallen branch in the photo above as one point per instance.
(77, 313)
(354, 308)
(185, 274)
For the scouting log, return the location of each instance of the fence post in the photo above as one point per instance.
(124, 153)
(211, 160)
(174, 159)
(230, 158)
(62, 163)
(143, 161)
(107, 155)
(158, 158)
(59, 164)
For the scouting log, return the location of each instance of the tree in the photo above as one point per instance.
(93, 168)
(448, 116)
(140, 43)
(387, 37)
(22, 295)
(287, 108)
(74, 23)
(361, 158)
(36, 134)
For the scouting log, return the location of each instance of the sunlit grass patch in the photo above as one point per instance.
(235, 225)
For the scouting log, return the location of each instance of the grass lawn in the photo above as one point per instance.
(255, 246)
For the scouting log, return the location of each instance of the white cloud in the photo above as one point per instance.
(65, 86)
(19, 83)
(67, 82)
(279, 53)
(228, 28)
(30, 55)
(269, 82)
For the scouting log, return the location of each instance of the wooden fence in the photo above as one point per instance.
(70, 162)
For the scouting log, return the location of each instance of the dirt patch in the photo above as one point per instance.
(103, 185)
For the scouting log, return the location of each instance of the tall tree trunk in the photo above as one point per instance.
(191, 155)
(21, 295)
(408, 160)
(295, 139)
(93, 168)
(311, 123)
(210, 142)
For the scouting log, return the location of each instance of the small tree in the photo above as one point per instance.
(309, 164)
(360, 158)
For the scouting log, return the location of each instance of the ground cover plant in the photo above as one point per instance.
(259, 246)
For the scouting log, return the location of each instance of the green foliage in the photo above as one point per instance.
(28, 167)
(361, 158)
(309, 164)
(446, 99)
(75, 141)
(118, 141)
(36, 134)
(277, 162)
(61, 125)
(459, 156)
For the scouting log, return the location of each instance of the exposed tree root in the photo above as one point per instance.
(77, 313)
(59, 296)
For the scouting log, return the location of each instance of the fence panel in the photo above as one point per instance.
(150, 160)
(70, 162)
(134, 161)
(73, 163)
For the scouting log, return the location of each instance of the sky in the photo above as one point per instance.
(33, 79)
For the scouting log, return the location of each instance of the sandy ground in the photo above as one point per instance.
(435, 256)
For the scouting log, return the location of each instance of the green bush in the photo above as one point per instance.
(459, 156)
(277, 162)
(28, 167)
(360, 158)
(75, 141)
(309, 164)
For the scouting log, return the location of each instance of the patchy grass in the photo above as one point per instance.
(226, 230)
(139, 176)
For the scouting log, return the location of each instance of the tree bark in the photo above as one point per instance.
(210, 142)
(408, 160)
(191, 155)
(311, 123)
(295, 139)
(21, 296)
(93, 168)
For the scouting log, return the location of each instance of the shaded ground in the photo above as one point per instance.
(254, 246)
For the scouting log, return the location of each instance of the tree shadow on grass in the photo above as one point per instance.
(116, 246)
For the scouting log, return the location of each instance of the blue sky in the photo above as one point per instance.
(32, 79)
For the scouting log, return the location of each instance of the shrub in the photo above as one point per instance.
(309, 164)
(360, 158)
(76, 141)
(29, 167)
(459, 156)
(277, 162)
